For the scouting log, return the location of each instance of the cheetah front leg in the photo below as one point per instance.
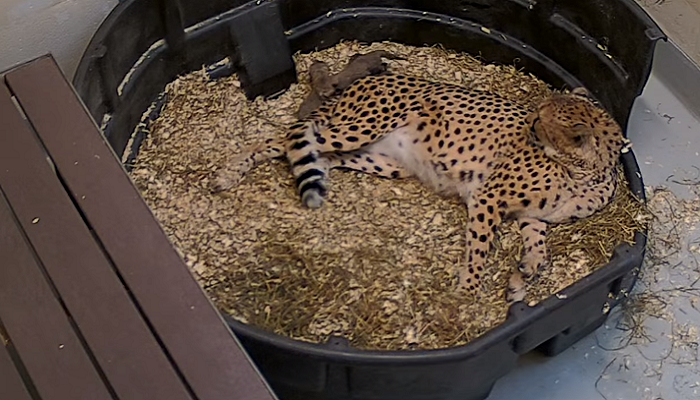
(484, 217)
(534, 256)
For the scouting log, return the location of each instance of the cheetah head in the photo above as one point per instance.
(577, 133)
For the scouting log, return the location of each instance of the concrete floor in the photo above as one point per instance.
(665, 132)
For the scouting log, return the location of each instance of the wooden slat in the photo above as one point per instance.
(10, 380)
(192, 330)
(37, 325)
(115, 331)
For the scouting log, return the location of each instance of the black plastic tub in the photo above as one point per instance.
(604, 45)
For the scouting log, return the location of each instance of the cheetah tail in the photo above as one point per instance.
(308, 168)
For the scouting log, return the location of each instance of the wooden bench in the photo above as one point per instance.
(95, 302)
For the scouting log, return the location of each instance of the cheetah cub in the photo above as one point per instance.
(553, 165)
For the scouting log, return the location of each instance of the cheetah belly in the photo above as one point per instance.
(414, 158)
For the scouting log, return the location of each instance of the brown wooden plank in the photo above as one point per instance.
(37, 325)
(11, 383)
(124, 346)
(198, 340)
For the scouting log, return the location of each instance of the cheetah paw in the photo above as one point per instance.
(515, 295)
(225, 180)
(516, 288)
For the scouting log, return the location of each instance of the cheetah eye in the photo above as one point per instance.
(580, 128)
(579, 132)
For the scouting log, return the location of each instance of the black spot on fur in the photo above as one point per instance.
(308, 174)
(300, 145)
(466, 175)
(315, 185)
(308, 159)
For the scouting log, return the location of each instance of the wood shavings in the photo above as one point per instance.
(376, 264)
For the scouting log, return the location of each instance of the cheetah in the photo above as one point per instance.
(552, 165)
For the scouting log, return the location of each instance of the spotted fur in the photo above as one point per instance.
(551, 165)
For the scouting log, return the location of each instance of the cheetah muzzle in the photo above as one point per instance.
(548, 166)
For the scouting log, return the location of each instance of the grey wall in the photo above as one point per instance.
(30, 28)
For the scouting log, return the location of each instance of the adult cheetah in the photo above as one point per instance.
(552, 165)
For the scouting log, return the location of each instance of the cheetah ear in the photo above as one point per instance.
(581, 92)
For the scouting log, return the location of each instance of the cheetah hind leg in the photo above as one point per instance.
(534, 256)
(369, 161)
(232, 174)
(307, 147)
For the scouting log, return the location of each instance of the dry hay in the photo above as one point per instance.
(376, 264)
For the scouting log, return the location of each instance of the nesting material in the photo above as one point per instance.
(376, 264)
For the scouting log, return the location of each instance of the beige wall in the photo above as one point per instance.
(30, 28)
(680, 19)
